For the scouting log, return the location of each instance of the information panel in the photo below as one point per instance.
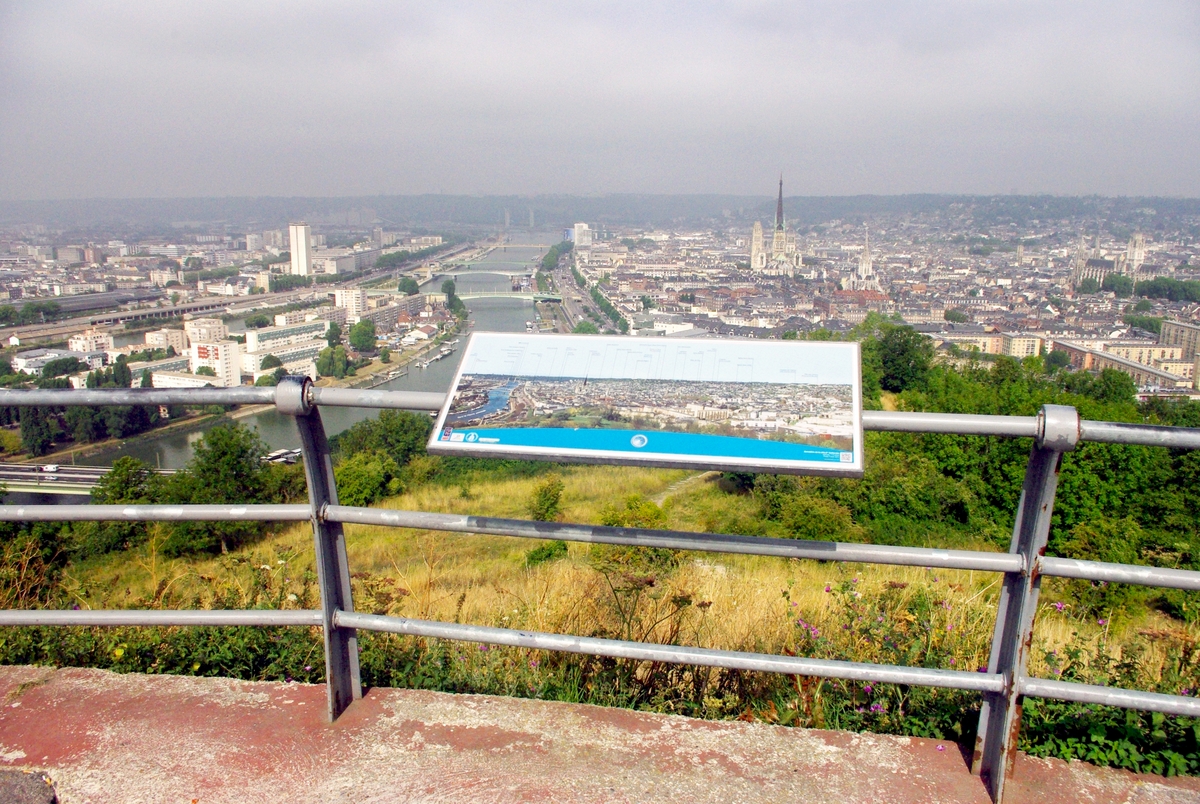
(791, 407)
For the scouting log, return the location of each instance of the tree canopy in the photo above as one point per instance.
(362, 336)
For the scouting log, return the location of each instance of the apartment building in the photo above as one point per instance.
(91, 340)
(205, 330)
(163, 338)
(224, 358)
(270, 338)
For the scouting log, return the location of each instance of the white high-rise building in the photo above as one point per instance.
(582, 236)
(353, 301)
(301, 248)
(224, 358)
(254, 241)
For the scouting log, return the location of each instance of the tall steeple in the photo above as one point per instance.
(779, 207)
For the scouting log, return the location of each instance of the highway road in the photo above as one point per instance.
(65, 479)
(573, 297)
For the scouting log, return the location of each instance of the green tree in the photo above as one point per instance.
(225, 468)
(385, 355)
(85, 425)
(399, 434)
(61, 366)
(453, 303)
(129, 482)
(956, 316)
(906, 356)
(37, 433)
(1119, 284)
(586, 328)
(122, 377)
(1147, 322)
(362, 336)
(1114, 386)
(333, 335)
(258, 321)
(333, 362)
(367, 477)
(1088, 285)
(408, 286)
(206, 371)
(1057, 360)
(270, 362)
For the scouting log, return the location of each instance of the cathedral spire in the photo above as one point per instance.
(779, 207)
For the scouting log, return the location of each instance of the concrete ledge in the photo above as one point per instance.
(105, 737)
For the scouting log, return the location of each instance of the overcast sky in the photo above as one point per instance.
(210, 99)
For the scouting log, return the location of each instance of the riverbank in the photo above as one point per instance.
(71, 453)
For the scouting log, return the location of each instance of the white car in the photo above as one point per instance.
(50, 467)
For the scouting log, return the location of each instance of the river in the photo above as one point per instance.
(173, 450)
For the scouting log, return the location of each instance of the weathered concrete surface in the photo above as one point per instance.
(104, 737)
(25, 787)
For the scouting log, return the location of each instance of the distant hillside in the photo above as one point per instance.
(561, 210)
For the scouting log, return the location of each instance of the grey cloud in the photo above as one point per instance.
(845, 97)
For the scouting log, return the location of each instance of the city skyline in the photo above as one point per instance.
(843, 98)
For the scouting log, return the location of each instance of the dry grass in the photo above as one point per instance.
(728, 601)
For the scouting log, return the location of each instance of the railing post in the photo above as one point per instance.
(333, 570)
(1000, 715)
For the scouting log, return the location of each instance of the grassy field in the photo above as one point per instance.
(708, 600)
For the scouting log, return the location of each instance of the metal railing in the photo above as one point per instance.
(1055, 430)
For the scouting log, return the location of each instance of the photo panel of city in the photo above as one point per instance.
(791, 407)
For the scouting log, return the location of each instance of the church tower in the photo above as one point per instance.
(783, 257)
(758, 257)
(779, 242)
(864, 276)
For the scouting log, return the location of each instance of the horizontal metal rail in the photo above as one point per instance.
(77, 397)
(155, 513)
(356, 398)
(1149, 435)
(682, 540)
(876, 420)
(951, 423)
(1120, 573)
(673, 654)
(158, 618)
(1111, 696)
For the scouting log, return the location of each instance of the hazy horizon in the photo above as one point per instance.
(172, 100)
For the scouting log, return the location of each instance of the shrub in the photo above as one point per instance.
(545, 505)
(550, 551)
